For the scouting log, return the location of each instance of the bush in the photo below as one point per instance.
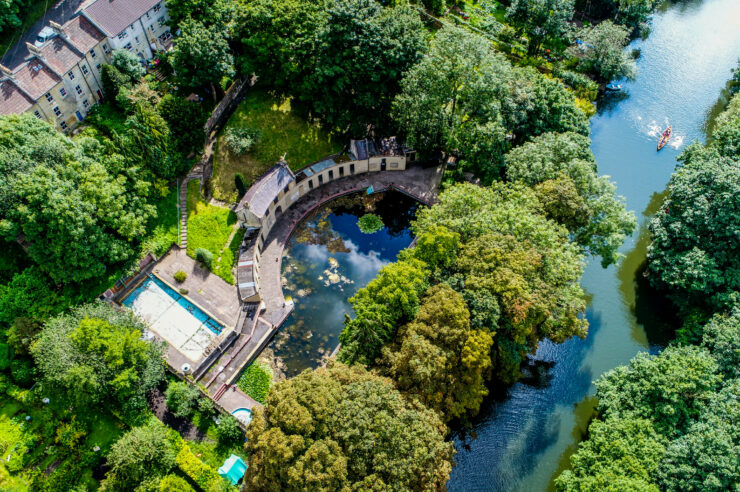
(180, 276)
(182, 398)
(256, 381)
(240, 140)
(228, 431)
(204, 256)
(22, 372)
(184, 291)
(173, 483)
(370, 223)
(203, 475)
(241, 184)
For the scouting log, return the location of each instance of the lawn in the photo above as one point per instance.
(28, 16)
(282, 131)
(163, 231)
(211, 227)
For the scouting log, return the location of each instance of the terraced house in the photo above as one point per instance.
(59, 81)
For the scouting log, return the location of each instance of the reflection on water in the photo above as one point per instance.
(524, 433)
(325, 262)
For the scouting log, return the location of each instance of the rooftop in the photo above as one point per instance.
(113, 16)
(83, 35)
(14, 100)
(366, 148)
(266, 188)
(60, 55)
(36, 78)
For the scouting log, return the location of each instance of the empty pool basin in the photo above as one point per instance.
(244, 415)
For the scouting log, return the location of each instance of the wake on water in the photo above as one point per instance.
(654, 130)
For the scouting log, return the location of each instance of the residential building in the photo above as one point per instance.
(139, 26)
(60, 80)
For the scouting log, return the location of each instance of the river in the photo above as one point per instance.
(524, 434)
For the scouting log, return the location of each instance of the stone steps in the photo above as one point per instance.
(195, 173)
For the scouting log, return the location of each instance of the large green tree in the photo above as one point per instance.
(438, 358)
(562, 170)
(201, 56)
(343, 428)
(94, 356)
(602, 51)
(540, 20)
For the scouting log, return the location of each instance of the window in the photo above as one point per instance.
(49, 97)
(70, 75)
(37, 114)
(321, 179)
(310, 184)
(97, 67)
(85, 71)
(123, 35)
(287, 187)
(57, 111)
(351, 168)
(127, 46)
(136, 38)
(63, 124)
(331, 174)
(132, 27)
(161, 21)
(165, 36)
(157, 8)
(63, 92)
(78, 89)
(92, 53)
(341, 171)
(85, 103)
(106, 50)
(275, 200)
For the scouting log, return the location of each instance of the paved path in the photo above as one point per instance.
(60, 12)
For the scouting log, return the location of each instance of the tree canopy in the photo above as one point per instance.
(562, 170)
(540, 19)
(201, 55)
(343, 427)
(602, 51)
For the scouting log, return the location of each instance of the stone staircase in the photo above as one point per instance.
(195, 173)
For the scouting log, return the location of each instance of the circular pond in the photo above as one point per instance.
(327, 259)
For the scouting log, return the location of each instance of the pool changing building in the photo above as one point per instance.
(279, 188)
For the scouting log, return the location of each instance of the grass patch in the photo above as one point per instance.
(28, 14)
(210, 227)
(256, 381)
(163, 230)
(281, 131)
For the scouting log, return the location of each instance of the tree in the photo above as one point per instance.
(10, 17)
(388, 300)
(148, 135)
(29, 295)
(602, 51)
(201, 55)
(228, 431)
(174, 483)
(128, 64)
(95, 356)
(438, 358)
(210, 12)
(541, 20)
(182, 398)
(694, 252)
(113, 81)
(620, 454)
(141, 453)
(343, 427)
(362, 50)
(561, 167)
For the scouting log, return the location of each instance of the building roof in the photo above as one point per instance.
(82, 34)
(36, 78)
(13, 99)
(60, 55)
(113, 16)
(266, 188)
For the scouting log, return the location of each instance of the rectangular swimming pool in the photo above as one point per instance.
(173, 317)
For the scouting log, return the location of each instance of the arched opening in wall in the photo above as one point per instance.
(351, 168)
(331, 174)
(382, 164)
(321, 179)
(278, 211)
(341, 171)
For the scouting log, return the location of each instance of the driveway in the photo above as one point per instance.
(60, 12)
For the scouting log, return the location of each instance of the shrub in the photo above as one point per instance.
(22, 371)
(184, 291)
(228, 431)
(370, 223)
(180, 276)
(173, 483)
(182, 398)
(204, 256)
(203, 475)
(240, 140)
(256, 381)
(240, 183)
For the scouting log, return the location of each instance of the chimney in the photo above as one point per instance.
(33, 49)
(6, 72)
(57, 28)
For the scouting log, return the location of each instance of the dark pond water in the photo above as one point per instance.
(525, 433)
(326, 261)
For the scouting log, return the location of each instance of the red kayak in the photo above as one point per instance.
(664, 137)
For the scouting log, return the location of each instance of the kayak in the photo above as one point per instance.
(664, 137)
(613, 87)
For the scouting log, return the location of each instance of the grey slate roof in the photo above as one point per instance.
(113, 16)
(259, 196)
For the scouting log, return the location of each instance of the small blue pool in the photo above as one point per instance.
(192, 309)
(244, 415)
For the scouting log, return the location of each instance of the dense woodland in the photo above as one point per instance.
(495, 270)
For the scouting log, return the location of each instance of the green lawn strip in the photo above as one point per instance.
(210, 227)
(256, 381)
(281, 131)
(225, 264)
(163, 231)
(29, 15)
